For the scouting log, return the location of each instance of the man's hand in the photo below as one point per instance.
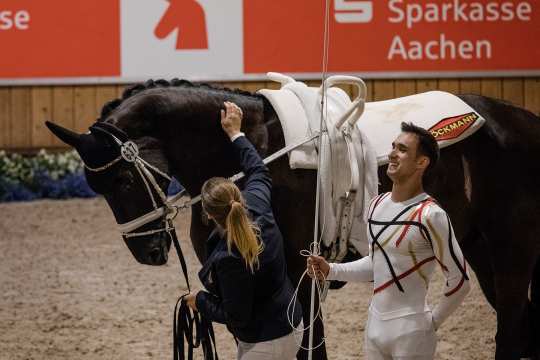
(231, 119)
(317, 267)
(190, 300)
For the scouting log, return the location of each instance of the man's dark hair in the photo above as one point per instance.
(427, 145)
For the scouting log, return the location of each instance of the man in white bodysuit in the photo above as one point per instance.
(410, 235)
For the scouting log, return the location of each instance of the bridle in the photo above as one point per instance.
(163, 207)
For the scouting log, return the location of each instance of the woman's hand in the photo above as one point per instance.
(190, 300)
(317, 267)
(231, 118)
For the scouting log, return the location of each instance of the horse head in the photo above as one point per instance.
(150, 135)
(115, 168)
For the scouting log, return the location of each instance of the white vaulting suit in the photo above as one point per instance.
(408, 240)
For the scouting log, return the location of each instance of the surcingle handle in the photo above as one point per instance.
(280, 78)
(357, 106)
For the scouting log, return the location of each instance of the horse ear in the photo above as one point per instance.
(69, 137)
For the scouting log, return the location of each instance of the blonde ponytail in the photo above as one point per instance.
(244, 234)
(223, 201)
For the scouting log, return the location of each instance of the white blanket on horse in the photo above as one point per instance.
(448, 118)
(445, 115)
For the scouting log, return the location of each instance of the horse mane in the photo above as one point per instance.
(135, 89)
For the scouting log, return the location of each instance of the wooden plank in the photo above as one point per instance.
(470, 86)
(424, 85)
(369, 89)
(63, 112)
(42, 107)
(404, 88)
(449, 85)
(532, 95)
(21, 117)
(104, 94)
(84, 107)
(383, 90)
(5, 117)
(120, 90)
(512, 91)
(491, 88)
(272, 85)
(253, 86)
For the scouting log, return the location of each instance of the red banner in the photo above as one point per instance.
(59, 38)
(392, 36)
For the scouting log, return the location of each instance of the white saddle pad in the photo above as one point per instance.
(445, 115)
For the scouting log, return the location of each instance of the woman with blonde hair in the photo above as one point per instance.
(246, 274)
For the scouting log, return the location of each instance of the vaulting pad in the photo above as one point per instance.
(446, 116)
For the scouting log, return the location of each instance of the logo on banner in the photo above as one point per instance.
(353, 11)
(451, 128)
(189, 18)
(182, 38)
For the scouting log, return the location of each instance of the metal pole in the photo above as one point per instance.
(323, 132)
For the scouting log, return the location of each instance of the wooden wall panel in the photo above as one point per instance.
(84, 108)
(424, 85)
(532, 95)
(449, 85)
(370, 84)
(383, 90)
(21, 117)
(104, 94)
(42, 108)
(491, 88)
(404, 88)
(470, 86)
(5, 118)
(120, 90)
(23, 109)
(512, 91)
(63, 111)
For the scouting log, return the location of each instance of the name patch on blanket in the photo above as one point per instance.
(453, 127)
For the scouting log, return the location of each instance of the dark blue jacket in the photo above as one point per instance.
(252, 305)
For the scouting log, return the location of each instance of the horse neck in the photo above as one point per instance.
(186, 124)
(196, 155)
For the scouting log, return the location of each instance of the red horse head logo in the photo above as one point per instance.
(189, 18)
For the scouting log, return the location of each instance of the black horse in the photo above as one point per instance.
(488, 183)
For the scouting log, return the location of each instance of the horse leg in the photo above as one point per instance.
(514, 262)
(534, 307)
(474, 248)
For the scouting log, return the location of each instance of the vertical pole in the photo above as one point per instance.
(322, 132)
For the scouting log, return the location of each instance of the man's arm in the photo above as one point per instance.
(450, 258)
(355, 271)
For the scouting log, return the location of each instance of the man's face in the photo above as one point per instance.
(404, 161)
